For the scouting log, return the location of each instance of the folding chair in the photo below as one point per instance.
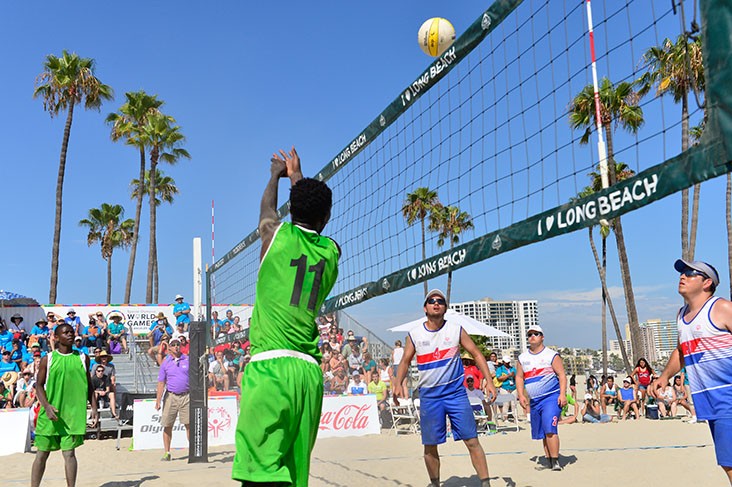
(482, 420)
(512, 418)
(404, 419)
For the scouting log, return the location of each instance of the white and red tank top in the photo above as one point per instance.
(438, 359)
(539, 377)
(708, 357)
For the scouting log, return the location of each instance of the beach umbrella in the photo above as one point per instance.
(470, 325)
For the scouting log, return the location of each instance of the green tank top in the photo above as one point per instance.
(67, 391)
(295, 276)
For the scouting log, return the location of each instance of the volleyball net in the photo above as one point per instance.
(502, 129)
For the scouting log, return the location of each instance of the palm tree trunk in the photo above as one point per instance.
(690, 241)
(424, 255)
(59, 206)
(156, 282)
(151, 247)
(613, 316)
(136, 231)
(729, 228)
(109, 279)
(694, 221)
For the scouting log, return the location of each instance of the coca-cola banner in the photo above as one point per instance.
(349, 416)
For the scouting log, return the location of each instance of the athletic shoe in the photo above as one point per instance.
(692, 420)
(166, 458)
(556, 467)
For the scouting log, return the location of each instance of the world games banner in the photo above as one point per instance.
(138, 318)
(349, 416)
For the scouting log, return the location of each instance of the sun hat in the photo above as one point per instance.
(681, 265)
(116, 314)
(178, 296)
(434, 292)
(9, 378)
(71, 310)
(466, 356)
(16, 316)
(104, 353)
(506, 359)
(161, 315)
(588, 396)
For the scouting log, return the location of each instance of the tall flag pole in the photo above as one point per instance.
(601, 147)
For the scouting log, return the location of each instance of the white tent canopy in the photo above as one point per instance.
(470, 325)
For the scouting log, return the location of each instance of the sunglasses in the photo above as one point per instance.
(694, 272)
(439, 301)
(534, 334)
(174, 345)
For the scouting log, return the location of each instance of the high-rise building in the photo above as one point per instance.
(512, 317)
(665, 334)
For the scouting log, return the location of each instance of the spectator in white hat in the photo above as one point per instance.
(181, 311)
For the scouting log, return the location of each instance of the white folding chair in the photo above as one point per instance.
(510, 419)
(404, 419)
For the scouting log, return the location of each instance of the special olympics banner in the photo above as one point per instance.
(349, 416)
(138, 318)
(15, 425)
(148, 433)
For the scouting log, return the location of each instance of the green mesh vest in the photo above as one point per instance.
(67, 390)
(295, 276)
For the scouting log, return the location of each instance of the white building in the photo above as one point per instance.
(512, 317)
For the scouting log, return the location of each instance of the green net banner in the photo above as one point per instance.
(463, 45)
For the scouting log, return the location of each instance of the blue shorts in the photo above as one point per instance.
(545, 413)
(433, 412)
(722, 436)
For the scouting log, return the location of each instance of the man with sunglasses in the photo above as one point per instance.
(173, 380)
(436, 342)
(540, 373)
(705, 348)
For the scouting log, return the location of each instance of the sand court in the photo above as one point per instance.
(643, 452)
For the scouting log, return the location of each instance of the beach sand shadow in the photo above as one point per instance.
(130, 483)
(474, 481)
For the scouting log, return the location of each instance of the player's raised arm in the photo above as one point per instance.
(268, 219)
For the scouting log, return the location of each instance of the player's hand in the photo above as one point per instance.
(654, 389)
(398, 392)
(491, 394)
(562, 401)
(292, 162)
(278, 169)
(94, 419)
(522, 400)
(51, 413)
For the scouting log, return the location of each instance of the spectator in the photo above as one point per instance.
(471, 370)
(95, 360)
(476, 397)
(17, 353)
(356, 385)
(158, 328)
(642, 374)
(117, 332)
(181, 311)
(335, 345)
(6, 337)
(666, 401)
(609, 394)
(493, 365)
(180, 330)
(682, 397)
(236, 326)
(6, 397)
(378, 388)
(385, 372)
(173, 380)
(229, 320)
(105, 360)
(369, 367)
(100, 385)
(7, 365)
(218, 371)
(350, 346)
(185, 347)
(23, 389)
(339, 382)
(591, 410)
(337, 362)
(355, 361)
(573, 386)
(593, 387)
(74, 321)
(15, 329)
(159, 352)
(92, 334)
(396, 356)
(79, 346)
(628, 399)
(216, 324)
(39, 334)
(506, 375)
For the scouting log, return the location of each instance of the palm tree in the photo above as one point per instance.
(417, 206)
(163, 139)
(107, 227)
(166, 191)
(619, 105)
(449, 222)
(677, 68)
(65, 82)
(127, 124)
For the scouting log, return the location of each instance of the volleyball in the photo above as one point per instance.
(435, 36)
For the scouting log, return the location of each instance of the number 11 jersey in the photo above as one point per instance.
(295, 276)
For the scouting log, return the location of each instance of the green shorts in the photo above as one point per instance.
(58, 442)
(281, 400)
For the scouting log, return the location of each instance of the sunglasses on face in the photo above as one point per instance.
(694, 272)
(534, 334)
(439, 301)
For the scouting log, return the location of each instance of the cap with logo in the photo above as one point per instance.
(697, 265)
(434, 292)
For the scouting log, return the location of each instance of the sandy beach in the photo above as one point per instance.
(632, 453)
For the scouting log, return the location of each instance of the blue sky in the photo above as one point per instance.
(243, 79)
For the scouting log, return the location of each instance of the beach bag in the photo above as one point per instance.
(115, 347)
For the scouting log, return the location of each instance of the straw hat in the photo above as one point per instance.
(9, 378)
(104, 353)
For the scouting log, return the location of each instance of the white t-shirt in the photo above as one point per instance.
(357, 387)
(396, 357)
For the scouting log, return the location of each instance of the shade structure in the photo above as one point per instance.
(470, 325)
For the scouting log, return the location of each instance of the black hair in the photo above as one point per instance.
(310, 201)
(57, 331)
